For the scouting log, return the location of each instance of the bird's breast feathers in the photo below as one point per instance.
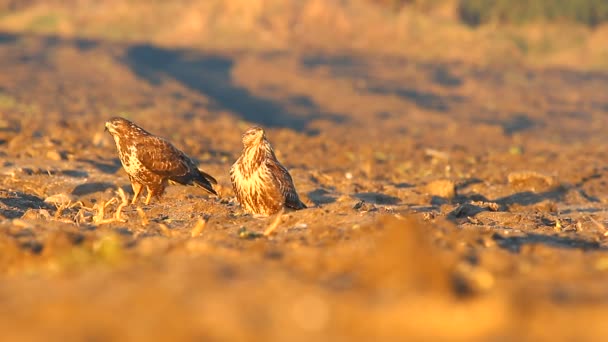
(251, 178)
(131, 163)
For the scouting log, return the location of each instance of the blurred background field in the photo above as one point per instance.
(548, 32)
(452, 154)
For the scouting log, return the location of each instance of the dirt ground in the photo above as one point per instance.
(447, 201)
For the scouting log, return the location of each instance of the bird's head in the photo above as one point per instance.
(118, 125)
(253, 135)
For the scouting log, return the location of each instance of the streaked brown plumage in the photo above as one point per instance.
(153, 162)
(262, 185)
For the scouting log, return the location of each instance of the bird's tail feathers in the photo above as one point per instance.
(206, 185)
(300, 205)
(296, 204)
(200, 179)
(207, 177)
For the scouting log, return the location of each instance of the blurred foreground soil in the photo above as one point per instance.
(448, 200)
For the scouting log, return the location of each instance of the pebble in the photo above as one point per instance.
(55, 155)
(59, 199)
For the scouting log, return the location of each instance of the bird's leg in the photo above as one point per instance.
(161, 189)
(156, 190)
(150, 193)
(136, 191)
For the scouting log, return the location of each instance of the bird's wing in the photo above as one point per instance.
(160, 157)
(285, 183)
(235, 185)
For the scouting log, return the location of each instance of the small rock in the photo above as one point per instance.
(55, 155)
(248, 234)
(479, 279)
(466, 210)
(364, 206)
(491, 206)
(530, 179)
(436, 154)
(428, 216)
(441, 188)
(36, 214)
(59, 199)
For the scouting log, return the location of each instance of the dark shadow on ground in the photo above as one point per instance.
(89, 188)
(514, 243)
(7, 38)
(515, 123)
(105, 167)
(321, 196)
(442, 75)
(13, 204)
(529, 197)
(404, 185)
(206, 73)
(419, 80)
(211, 75)
(465, 210)
(422, 99)
(473, 203)
(358, 69)
(377, 198)
(74, 173)
(580, 210)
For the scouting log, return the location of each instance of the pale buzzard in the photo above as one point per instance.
(262, 185)
(153, 162)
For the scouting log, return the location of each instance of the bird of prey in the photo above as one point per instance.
(153, 162)
(262, 185)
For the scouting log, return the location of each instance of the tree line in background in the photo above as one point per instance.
(479, 12)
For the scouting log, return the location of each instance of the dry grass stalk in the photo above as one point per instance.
(100, 207)
(124, 202)
(99, 217)
(436, 154)
(37, 190)
(80, 216)
(77, 219)
(165, 230)
(142, 216)
(273, 226)
(600, 226)
(198, 228)
(59, 208)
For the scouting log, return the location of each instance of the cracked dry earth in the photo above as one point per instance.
(447, 200)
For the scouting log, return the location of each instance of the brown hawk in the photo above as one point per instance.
(262, 185)
(153, 162)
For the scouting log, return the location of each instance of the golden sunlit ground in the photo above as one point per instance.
(456, 183)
